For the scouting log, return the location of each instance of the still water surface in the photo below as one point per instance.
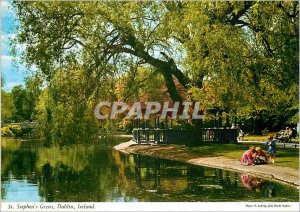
(32, 172)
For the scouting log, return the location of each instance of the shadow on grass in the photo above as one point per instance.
(287, 152)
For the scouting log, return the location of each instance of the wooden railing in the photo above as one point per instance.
(160, 136)
(219, 135)
(181, 136)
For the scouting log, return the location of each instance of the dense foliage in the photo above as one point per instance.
(19, 104)
(242, 57)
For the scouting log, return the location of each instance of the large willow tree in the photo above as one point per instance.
(237, 55)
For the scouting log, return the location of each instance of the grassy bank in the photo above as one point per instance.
(264, 138)
(285, 157)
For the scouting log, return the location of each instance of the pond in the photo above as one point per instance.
(32, 172)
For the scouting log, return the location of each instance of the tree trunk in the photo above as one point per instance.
(167, 68)
(257, 126)
(171, 87)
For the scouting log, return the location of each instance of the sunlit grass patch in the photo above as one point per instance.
(285, 157)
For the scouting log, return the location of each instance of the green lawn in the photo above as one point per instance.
(256, 138)
(264, 138)
(285, 157)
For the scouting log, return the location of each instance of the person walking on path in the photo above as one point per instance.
(271, 144)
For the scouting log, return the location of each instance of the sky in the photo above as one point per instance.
(12, 72)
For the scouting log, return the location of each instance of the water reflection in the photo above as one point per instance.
(258, 185)
(24, 189)
(33, 172)
(171, 180)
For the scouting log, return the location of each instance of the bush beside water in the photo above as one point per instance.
(13, 131)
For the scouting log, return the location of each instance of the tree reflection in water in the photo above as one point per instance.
(96, 172)
(185, 182)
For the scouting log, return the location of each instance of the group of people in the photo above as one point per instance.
(257, 156)
(286, 135)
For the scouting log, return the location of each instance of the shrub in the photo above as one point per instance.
(6, 132)
(16, 130)
(11, 131)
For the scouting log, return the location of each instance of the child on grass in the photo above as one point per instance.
(248, 157)
(271, 144)
(260, 156)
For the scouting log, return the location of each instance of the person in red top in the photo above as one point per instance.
(260, 156)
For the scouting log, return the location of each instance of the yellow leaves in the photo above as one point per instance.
(255, 9)
(6, 132)
(11, 130)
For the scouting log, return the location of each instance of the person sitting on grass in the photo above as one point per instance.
(260, 156)
(271, 148)
(289, 134)
(248, 157)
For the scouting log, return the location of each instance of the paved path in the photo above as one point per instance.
(124, 145)
(179, 153)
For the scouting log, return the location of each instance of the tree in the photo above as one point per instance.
(248, 59)
(105, 40)
(19, 97)
(243, 52)
(7, 106)
(61, 114)
(33, 87)
(25, 98)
